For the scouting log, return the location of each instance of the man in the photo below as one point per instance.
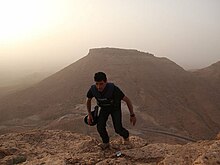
(108, 97)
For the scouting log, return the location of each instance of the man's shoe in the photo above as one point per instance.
(104, 145)
(126, 141)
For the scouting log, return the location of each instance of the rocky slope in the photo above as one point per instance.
(38, 147)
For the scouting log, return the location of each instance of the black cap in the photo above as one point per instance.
(94, 116)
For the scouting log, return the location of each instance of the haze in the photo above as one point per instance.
(47, 35)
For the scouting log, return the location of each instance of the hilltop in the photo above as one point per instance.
(66, 148)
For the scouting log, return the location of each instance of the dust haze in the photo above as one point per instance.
(42, 43)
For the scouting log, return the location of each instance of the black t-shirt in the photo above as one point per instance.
(118, 95)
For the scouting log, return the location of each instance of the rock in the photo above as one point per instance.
(3, 154)
(19, 159)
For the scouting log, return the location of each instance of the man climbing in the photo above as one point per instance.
(108, 97)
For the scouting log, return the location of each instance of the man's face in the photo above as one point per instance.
(100, 85)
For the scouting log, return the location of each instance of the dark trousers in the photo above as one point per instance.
(117, 123)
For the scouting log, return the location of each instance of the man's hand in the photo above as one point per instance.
(132, 119)
(90, 119)
(130, 108)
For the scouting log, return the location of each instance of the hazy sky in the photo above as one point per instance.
(37, 35)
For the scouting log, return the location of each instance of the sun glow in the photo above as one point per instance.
(24, 19)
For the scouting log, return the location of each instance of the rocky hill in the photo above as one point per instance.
(210, 74)
(168, 100)
(66, 148)
(18, 84)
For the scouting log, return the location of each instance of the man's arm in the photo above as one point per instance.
(88, 104)
(130, 108)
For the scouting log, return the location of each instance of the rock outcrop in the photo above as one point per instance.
(66, 148)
